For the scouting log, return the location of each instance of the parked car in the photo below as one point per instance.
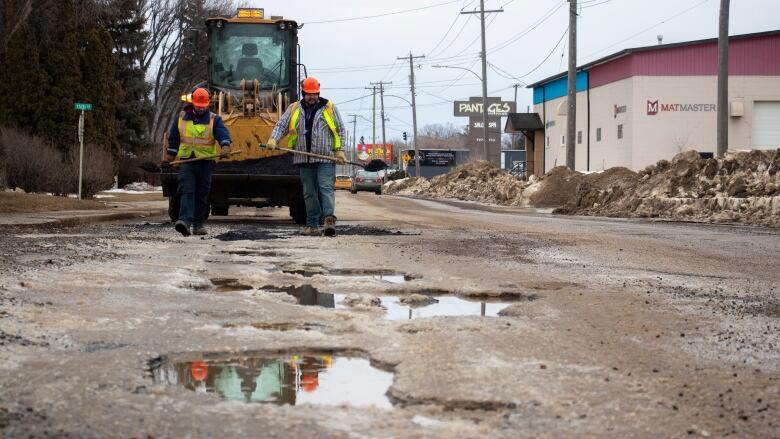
(367, 181)
(343, 182)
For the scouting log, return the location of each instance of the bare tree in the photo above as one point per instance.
(174, 62)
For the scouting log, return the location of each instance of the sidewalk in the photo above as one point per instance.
(113, 212)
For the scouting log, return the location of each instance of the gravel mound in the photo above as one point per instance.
(743, 187)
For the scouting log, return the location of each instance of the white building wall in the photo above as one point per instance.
(611, 151)
(649, 138)
(555, 151)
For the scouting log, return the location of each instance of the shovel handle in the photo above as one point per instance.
(311, 154)
(197, 159)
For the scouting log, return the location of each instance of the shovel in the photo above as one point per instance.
(152, 167)
(372, 166)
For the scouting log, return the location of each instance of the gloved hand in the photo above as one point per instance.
(224, 152)
(271, 144)
(341, 158)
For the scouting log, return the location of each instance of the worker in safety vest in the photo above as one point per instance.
(314, 125)
(194, 134)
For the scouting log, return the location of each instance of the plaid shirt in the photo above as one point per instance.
(321, 136)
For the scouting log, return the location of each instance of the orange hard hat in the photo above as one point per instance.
(310, 85)
(200, 98)
(199, 370)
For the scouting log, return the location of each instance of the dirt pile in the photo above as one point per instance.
(474, 181)
(743, 187)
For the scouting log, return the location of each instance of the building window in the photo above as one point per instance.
(563, 140)
(620, 131)
(547, 142)
(579, 137)
(598, 134)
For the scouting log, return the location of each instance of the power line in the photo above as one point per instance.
(405, 11)
(548, 55)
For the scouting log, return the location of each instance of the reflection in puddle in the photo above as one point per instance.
(292, 379)
(446, 306)
(227, 285)
(308, 295)
(391, 278)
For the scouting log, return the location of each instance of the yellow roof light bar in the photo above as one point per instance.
(251, 13)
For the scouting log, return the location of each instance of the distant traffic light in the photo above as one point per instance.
(404, 136)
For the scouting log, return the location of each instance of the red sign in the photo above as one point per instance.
(369, 151)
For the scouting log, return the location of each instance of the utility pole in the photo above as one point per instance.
(514, 135)
(382, 111)
(482, 13)
(354, 136)
(723, 79)
(373, 118)
(571, 113)
(411, 59)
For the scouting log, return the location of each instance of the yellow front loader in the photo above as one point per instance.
(252, 78)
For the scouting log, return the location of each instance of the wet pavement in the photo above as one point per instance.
(591, 327)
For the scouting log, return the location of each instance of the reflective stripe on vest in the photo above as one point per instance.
(292, 132)
(196, 138)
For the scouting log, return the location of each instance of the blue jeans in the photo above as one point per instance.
(318, 194)
(194, 187)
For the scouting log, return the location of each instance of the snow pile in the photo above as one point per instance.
(743, 187)
(140, 187)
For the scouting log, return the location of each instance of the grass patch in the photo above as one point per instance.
(13, 202)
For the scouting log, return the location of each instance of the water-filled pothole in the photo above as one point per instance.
(224, 285)
(284, 326)
(444, 306)
(394, 308)
(322, 379)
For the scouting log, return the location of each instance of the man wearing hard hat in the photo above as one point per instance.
(322, 130)
(194, 134)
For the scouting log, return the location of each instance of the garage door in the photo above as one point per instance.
(766, 125)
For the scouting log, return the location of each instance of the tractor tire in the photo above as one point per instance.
(298, 211)
(220, 210)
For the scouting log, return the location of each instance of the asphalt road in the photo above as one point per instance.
(605, 328)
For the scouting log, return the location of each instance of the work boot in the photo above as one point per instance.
(310, 231)
(199, 230)
(330, 226)
(182, 228)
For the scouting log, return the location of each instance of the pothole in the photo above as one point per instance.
(306, 295)
(398, 307)
(284, 326)
(314, 378)
(224, 285)
(443, 306)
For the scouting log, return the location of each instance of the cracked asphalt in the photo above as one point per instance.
(611, 328)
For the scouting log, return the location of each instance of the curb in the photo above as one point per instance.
(94, 218)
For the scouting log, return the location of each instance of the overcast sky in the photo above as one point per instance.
(347, 55)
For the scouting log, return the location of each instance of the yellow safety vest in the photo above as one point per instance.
(196, 138)
(292, 131)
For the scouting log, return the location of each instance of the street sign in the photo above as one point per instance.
(473, 107)
(83, 106)
(407, 157)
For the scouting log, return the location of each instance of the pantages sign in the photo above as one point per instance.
(473, 107)
(655, 107)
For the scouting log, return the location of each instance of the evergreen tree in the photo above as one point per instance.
(61, 64)
(125, 23)
(101, 90)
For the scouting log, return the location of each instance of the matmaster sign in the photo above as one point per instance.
(496, 110)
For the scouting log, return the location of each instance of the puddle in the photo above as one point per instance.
(224, 285)
(274, 326)
(446, 306)
(395, 310)
(309, 296)
(321, 379)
